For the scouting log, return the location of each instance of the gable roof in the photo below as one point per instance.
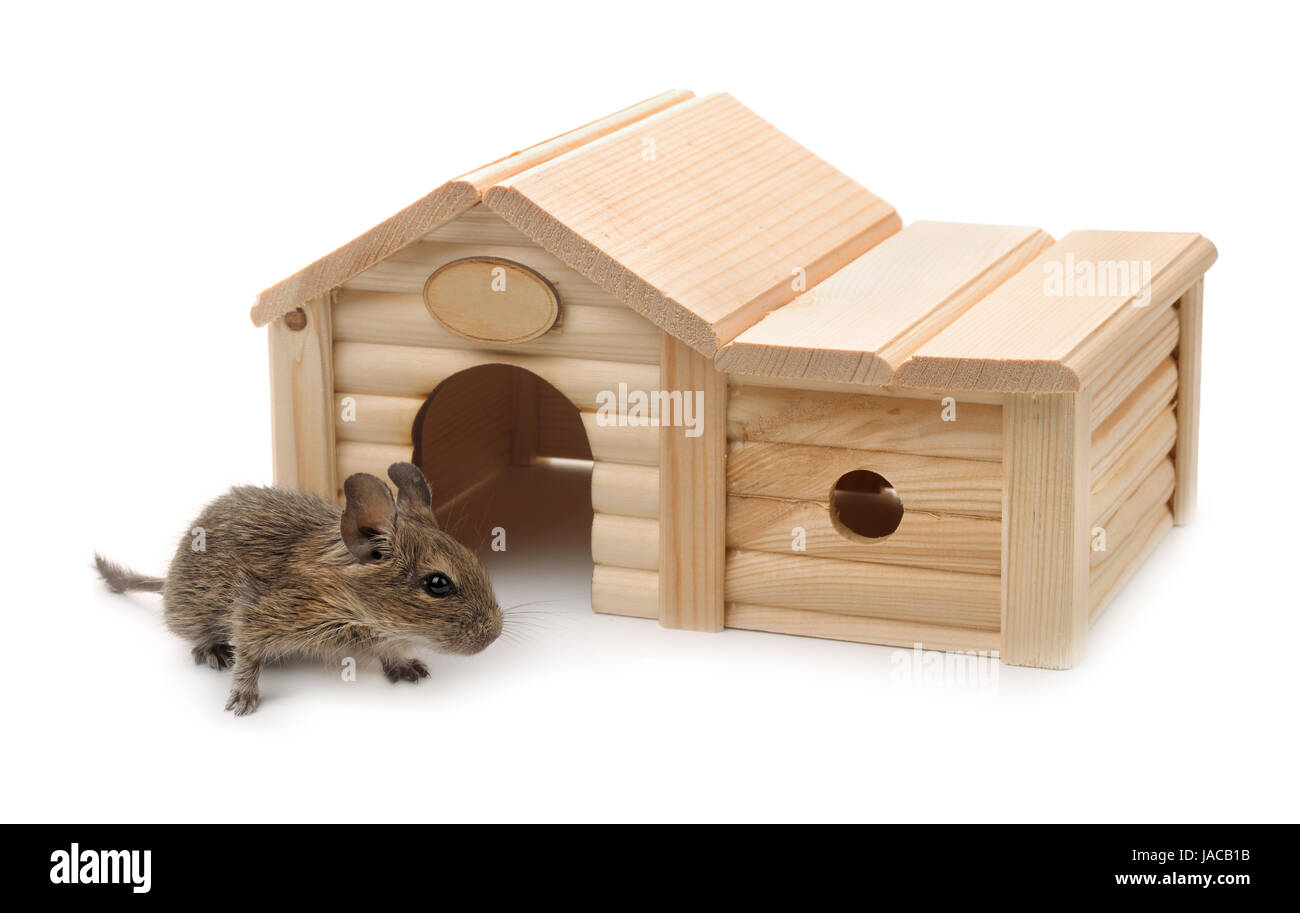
(704, 218)
(435, 209)
(695, 212)
(699, 218)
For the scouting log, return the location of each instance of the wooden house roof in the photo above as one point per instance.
(861, 324)
(432, 210)
(1060, 322)
(694, 211)
(732, 237)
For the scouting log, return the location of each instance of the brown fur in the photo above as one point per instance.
(287, 574)
(124, 580)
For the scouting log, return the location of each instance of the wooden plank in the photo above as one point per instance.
(865, 422)
(517, 162)
(1114, 486)
(624, 591)
(971, 488)
(375, 419)
(1190, 320)
(1155, 490)
(966, 544)
(755, 381)
(1110, 577)
(705, 211)
(481, 226)
(359, 456)
(390, 419)
(858, 588)
(411, 371)
(621, 444)
(620, 488)
(855, 628)
(436, 208)
(1036, 334)
(692, 496)
(1106, 363)
(302, 402)
(584, 331)
(1155, 345)
(861, 323)
(385, 239)
(1045, 530)
(1126, 423)
(625, 541)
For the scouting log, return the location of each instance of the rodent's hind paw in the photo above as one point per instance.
(243, 702)
(216, 656)
(404, 670)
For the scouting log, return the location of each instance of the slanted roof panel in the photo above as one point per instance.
(859, 325)
(1051, 325)
(433, 210)
(698, 217)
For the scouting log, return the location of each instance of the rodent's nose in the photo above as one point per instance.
(479, 635)
(491, 629)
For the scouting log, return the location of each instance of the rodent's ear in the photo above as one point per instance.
(412, 487)
(370, 518)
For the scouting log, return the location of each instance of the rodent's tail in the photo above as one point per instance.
(122, 579)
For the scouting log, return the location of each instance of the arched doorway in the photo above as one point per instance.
(507, 457)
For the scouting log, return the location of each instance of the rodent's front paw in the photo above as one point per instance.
(404, 670)
(216, 656)
(243, 702)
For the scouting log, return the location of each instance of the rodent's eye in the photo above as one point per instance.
(438, 584)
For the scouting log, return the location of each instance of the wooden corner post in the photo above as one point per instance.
(1190, 308)
(692, 491)
(1045, 535)
(302, 400)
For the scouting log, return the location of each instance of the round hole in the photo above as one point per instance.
(864, 505)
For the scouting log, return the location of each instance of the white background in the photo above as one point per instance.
(160, 166)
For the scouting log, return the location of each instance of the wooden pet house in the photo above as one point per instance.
(963, 436)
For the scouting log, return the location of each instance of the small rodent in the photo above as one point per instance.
(270, 573)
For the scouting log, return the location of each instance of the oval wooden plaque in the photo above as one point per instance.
(488, 299)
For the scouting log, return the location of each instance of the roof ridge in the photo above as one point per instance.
(612, 136)
(613, 234)
(540, 154)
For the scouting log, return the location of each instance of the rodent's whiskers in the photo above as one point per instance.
(515, 633)
(516, 624)
(519, 625)
(523, 627)
(521, 614)
(520, 605)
